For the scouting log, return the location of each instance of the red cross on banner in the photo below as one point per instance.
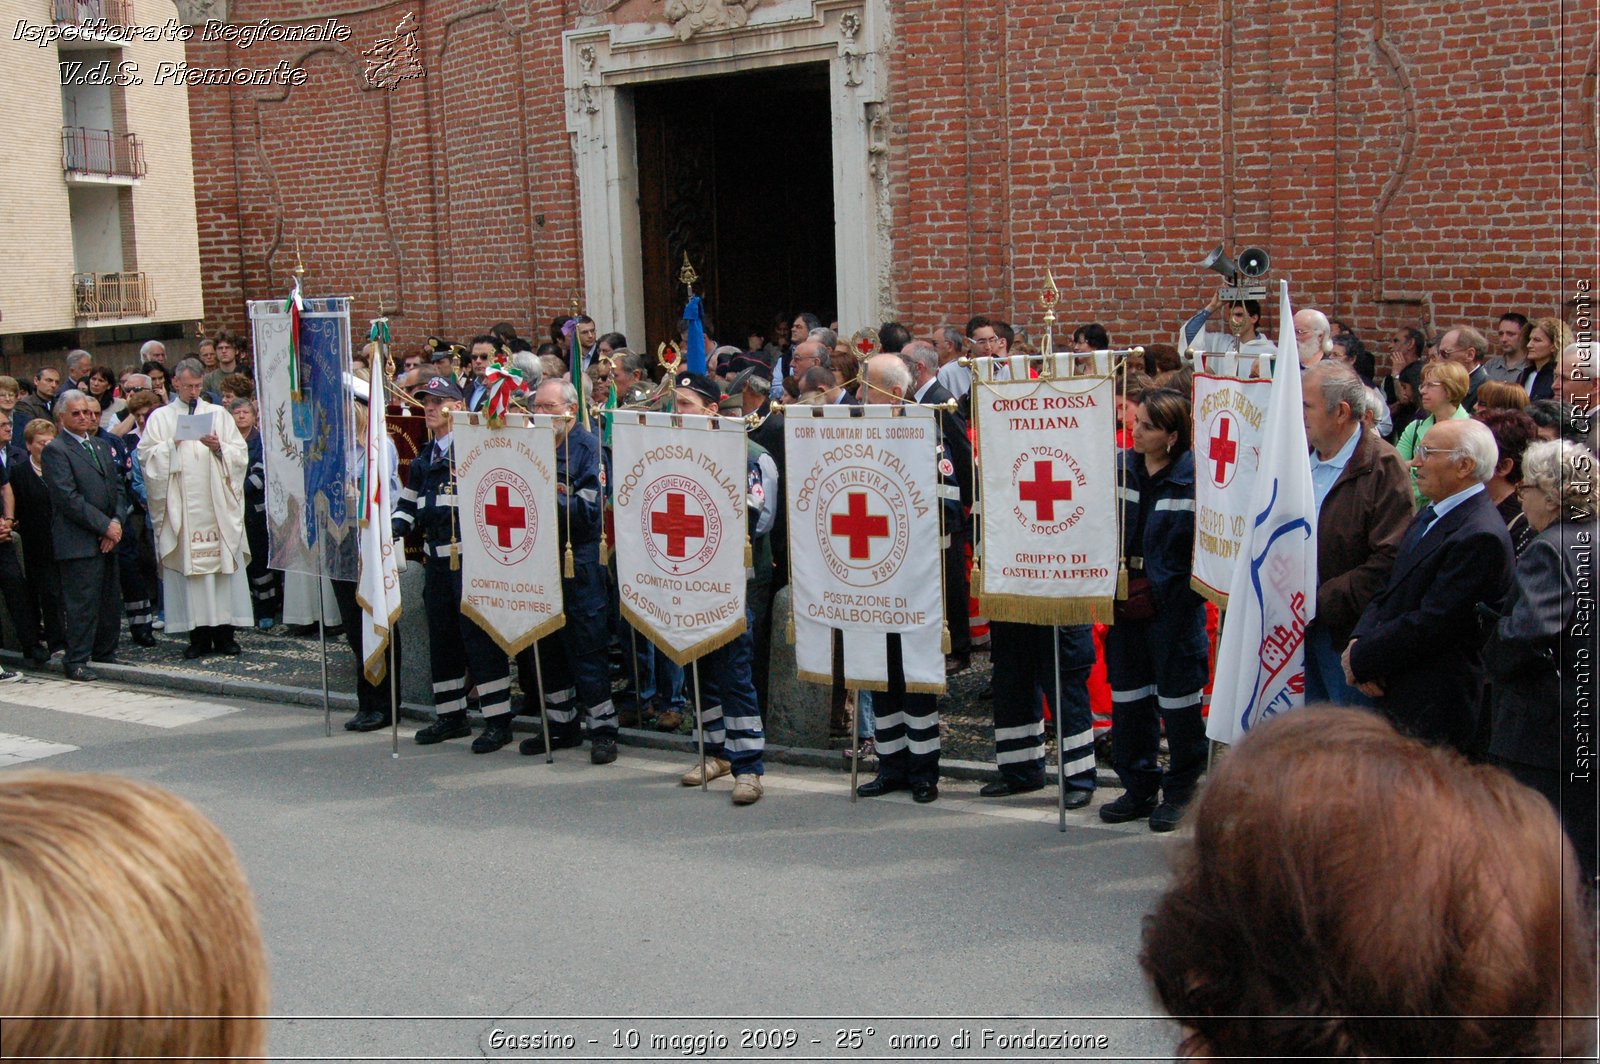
(503, 517)
(1044, 490)
(678, 525)
(1224, 450)
(858, 526)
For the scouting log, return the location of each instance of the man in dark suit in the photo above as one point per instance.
(87, 503)
(1418, 648)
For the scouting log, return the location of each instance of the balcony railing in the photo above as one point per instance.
(101, 152)
(93, 13)
(112, 295)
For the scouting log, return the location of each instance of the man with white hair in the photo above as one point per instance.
(79, 362)
(153, 351)
(1417, 649)
(1311, 335)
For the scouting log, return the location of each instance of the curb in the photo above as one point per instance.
(283, 694)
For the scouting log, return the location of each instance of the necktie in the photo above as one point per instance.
(1420, 527)
(88, 446)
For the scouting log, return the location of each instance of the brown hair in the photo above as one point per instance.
(1501, 395)
(1555, 330)
(126, 926)
(1349, 892)
(1168, 410)
(36, 428)
(1513, 431)
(240, 385)
(139, 402)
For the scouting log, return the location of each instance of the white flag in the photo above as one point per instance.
(864, 542)
(378, 590)
(1229, 416)
(680, 506)
(1261, 662)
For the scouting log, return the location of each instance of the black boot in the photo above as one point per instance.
(447, 726)
(496, 733)
(223, 642)
(199, 643)
(367, 720)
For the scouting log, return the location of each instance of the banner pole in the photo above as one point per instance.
(1061, 750)
(544, 708)
(394, 701)
(700, 726)
(638, 692)
(855, 744)
(322, 635)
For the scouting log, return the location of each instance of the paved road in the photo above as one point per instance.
(499, 894)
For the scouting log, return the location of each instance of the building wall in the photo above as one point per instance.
(1401, 162)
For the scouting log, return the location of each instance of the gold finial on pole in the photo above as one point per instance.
(299, 266)
(576, 304)
(687, 277)
(1048, 299)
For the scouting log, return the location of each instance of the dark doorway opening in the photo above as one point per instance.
(737, 171)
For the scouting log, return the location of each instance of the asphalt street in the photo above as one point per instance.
(443, 905)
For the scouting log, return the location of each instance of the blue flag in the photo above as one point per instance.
(694, 353)
(327, 448)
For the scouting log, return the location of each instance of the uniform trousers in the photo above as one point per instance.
(728, 712)
(1157, 669)
(369, 696)
(907, 725)
(457, 646)
(575, 660)
(1024, 679)
(138, 600)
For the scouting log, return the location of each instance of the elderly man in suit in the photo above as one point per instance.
(1418, 648)
(87, 505)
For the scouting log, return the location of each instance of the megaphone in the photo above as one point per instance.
(1253, 262)
(1219, 261)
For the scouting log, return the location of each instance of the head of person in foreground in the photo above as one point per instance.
(122, 912)
(1350, 892)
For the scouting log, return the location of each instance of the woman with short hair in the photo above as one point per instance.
(1444, 386)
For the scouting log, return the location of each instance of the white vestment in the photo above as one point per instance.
(197, 512)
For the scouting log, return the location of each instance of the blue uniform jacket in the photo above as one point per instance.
(1158, 524)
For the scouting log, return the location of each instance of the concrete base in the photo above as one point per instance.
(797, 711)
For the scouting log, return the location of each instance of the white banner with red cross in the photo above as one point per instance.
(506, 495)
(1228, 415)
(864, 537)
(679, 488)
(1047, 462)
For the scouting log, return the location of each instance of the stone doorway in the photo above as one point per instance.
(737, 171)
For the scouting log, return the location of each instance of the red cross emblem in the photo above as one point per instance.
(678, 525)
(858, 526)
(1044, 490)
(503, 517)
(1224, 450)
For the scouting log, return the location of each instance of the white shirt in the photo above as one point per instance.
(1450, 502)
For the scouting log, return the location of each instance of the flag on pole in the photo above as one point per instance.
(294, 306)
(1261, 661)
(695, 342)
(378, 588)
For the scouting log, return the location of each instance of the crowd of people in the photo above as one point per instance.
(1451, 490)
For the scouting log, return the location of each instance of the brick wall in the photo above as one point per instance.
(1400, 161)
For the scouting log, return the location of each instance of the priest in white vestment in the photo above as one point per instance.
(196, 492)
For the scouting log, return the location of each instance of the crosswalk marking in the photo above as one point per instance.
(15, 749)
(110, 703)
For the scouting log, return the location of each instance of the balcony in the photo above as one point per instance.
(101, 157)
(94, 23)
(110, 297)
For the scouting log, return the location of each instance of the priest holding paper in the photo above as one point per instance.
(194, 463)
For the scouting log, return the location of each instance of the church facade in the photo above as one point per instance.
(460, 162)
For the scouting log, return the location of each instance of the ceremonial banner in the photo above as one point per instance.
(1228, 416)
(864, 542)
(506, 495)
(1261, 660)
(679, 506)
(1047, 458)
(378, 591)
(311, 484)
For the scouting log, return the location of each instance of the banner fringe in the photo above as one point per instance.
(1022, 609)
(512, 649)
(684, 658)
(1219, 599)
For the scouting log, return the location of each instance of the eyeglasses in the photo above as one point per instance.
(986, 341)
(550, 408)
(1424, 452)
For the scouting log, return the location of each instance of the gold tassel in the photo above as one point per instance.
(569, 568)
(455, 556)
(1122, 584)
(605, 551)
(749, 554)
(788, 632)
(944, 639)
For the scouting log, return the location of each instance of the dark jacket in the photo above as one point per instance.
(1421, 637)
(1535, 644)
(85, 494)
(1158, 525)
(1359, 528)
(957, 444)
(578, 493)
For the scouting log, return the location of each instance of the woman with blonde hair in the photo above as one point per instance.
(1444, 386)
(1544, 342)
(127, 930)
